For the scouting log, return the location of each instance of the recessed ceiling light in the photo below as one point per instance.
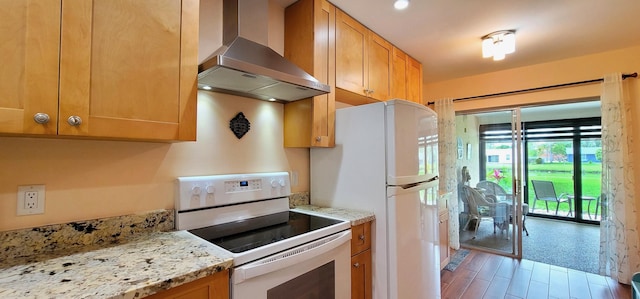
(401, 4)
(272, 100)
(207, 87)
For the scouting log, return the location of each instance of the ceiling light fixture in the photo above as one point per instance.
(498, 44)
(401, 4)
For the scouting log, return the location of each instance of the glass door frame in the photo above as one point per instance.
(576, 139)
(516, 183)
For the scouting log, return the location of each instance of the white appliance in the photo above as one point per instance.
(277, 253)
(386, 161)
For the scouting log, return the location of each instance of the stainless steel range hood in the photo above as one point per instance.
(244, 66)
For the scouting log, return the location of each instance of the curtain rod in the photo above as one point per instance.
(624, 76)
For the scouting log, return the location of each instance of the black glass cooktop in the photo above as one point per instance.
(252, 233)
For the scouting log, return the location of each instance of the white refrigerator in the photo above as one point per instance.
(386, 161)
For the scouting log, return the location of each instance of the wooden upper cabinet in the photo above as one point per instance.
(29, 51)
(399, 74)
(380, 54)
(310, 43)
(128, 68)
(352, 49)
(363, 60)
(406, 77)
(101, 68)
(414, 80)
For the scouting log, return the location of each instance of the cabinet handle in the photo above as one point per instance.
(357, 265)
(74, 120)
(41, 118)
(361, 237)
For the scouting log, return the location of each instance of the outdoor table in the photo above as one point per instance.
(590, 199)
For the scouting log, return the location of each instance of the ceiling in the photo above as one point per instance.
(445, 34)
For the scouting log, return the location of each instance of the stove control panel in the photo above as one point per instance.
(196, 192)
(242, 185)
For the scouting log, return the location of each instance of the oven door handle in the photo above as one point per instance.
(290, 257)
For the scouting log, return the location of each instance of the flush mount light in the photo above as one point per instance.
(207, 87)
(498, 44)
(401, 4)
(272, 100)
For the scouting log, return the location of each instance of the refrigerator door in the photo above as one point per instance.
(352, 174)
(412, 142)
(413, 255)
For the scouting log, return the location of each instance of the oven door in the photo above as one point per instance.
(319, 269)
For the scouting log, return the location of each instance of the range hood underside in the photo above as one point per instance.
(250, 69)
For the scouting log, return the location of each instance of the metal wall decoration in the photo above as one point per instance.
(239, 125)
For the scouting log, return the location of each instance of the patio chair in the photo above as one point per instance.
(544, 190)
(481, 209)
(493, 189)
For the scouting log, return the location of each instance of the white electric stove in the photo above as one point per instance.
(274, 250)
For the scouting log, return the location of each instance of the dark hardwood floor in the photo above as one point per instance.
(489, 276)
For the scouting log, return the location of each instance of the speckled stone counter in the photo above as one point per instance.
(128, 256)
(356, 217)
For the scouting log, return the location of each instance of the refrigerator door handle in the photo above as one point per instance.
(408, 186)
(393, 190)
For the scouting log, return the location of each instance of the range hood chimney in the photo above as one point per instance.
(245, 66)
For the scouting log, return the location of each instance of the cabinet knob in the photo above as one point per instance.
(357, 265)
(361, 237)
(318, 139)
(371, 91)
(74, 120)
(41, 118)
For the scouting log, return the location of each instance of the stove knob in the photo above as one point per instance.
(281, 183)
(274, 183)
(210, 189)
(196, 190)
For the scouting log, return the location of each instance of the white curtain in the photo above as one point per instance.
(447, 165)
(619, 255)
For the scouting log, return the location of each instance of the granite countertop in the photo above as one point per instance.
(354, 216)
(135, 269)
(129, 256)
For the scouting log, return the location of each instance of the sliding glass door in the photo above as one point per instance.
(556, 151)
(489, 189)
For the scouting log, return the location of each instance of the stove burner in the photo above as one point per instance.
(252, 233)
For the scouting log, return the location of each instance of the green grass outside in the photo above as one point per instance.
(561, 176)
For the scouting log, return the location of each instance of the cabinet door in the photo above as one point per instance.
(352, 41)
(414, 80)
(443, 230)
(380, 53)
(399, 75)
(324, 106)
(128, 68)
(215, 286)
(310, 28)
(29, 47)
(360, 238)
(361, 275)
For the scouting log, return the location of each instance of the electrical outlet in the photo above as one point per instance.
(30, 200)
